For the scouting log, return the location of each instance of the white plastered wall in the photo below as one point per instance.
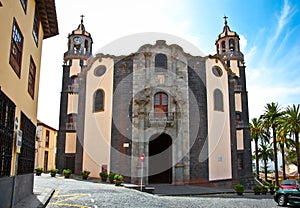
(97, 132)
(219, 148)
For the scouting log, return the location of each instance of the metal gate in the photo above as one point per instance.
(26, 157)
(7, 115)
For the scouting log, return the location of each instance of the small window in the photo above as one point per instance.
(16, 49)
(24, 5)
(99, 100)
(100, 70)
(71, 121)
(217, 71)
(218, 100)
(161, 62)
(240, 161)
(74, 84)
(36, 27)
(31, 78)
(0, 4)
(47, 138)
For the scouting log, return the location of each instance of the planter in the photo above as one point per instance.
(118, 183)
(85, 174)
(239, 188)
(239, 193)
(38, 171)
(67, 175)
(103, 179)
(53, 172)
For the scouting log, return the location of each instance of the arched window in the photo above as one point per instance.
(161, 103)
(99, 100)
(161, 62)
(231, 45)
(218, 100)
(223, 46)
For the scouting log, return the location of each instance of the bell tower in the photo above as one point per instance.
(79, 44)
(69, 144)
(228, 49)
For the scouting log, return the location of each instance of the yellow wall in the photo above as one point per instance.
(13, 86)
(219, 148)
(97, 132)
(41, 147)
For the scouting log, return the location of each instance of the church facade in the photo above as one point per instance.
(186, 115)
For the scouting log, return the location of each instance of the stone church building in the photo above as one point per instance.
(187, 114)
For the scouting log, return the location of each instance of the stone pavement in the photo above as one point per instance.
(43, 194)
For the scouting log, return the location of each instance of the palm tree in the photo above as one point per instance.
(292, 123)
(265, 152)
(283, 140)
(257, 132)
(271, 119)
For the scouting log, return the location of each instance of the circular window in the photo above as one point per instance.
(100, 70)
(217, 71)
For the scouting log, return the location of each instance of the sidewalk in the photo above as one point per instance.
(38, 199)
(171, 190)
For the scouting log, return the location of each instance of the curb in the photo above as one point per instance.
(47, 199)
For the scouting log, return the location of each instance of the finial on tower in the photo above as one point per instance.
(82, 16)
(225, 18)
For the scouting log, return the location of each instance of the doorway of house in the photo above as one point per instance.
(160, 159)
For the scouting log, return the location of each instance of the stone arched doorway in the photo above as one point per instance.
(160, 159)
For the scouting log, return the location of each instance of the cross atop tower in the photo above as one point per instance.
(82, 16)
(225, 18)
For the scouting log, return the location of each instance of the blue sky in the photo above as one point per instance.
(269, 32)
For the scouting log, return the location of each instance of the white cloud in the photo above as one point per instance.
(243, 42)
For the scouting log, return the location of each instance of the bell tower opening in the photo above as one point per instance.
(160, 159)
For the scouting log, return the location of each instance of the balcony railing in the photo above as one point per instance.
(161, 118)
(76, 53)
(71, 126)
(237, 88)
(241, 125)
(232, 55)
(74, 88)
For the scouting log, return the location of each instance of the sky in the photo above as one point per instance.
(269, 34)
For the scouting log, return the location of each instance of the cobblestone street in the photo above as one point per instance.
(84, 194)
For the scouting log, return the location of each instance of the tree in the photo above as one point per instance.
(257, 132)
(292, 123)
(265, 152)
(283, 140)
(271, 118)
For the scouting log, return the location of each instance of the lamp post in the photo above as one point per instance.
(142, 162)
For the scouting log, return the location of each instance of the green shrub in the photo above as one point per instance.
(67, 173)
(111, 176)
(85, 173)
(103, 174)
(118, 177)
(54, 171)
(40, 170)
